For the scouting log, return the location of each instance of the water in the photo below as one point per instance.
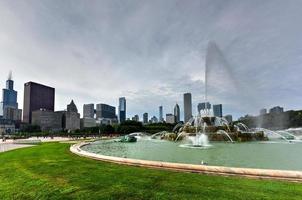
(267, 155)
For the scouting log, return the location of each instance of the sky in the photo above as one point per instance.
(152, 52)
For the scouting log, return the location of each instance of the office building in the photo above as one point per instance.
(161, 119)
(170, 118)
(217, 110)
(13, 114)
(145, 118)
(153, 120)
(6, 127)
(122, 109)
(47, 120)
(37, 97)
(187, 106)
(88, 110)
(177, 113)
(71, 118)
(229, 118)
(135, 118)
(276, 109)
(105, 111)
(205, 107)
(88, 122)
(263, 111)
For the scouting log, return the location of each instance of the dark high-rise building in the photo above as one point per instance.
(177, 113)
(122, 109)
(205, 106)
(161, 119)
(217, 110)
(135, 118)
(9, 97)
(88, 110)
(276, 109)
(36, 97)
(105, 111)
(187, 106)
(145, 118)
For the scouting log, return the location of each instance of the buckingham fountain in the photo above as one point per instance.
(205, 127)
(209, 139)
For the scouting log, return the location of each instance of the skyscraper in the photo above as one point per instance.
(36, 97)
(145, 118)
(161, 119)
(88, 110)
(187, 106)
(105, 111)
(177, 113)
(9, 96)
(122, 109)
(205, 106)
(217, 110)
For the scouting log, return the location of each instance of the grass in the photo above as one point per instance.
(50, 171)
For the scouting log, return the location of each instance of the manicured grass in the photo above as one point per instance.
(50, 171)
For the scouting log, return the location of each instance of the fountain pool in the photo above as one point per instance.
(266, 155)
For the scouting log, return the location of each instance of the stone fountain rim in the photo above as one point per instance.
(285, 175)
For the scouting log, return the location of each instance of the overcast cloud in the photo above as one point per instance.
(152, 52)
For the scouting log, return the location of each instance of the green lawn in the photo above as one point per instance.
(50, 171)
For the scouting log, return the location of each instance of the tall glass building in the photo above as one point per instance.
(9, 96)
(122, 109)
(187, 106)
(177, 113)
(217, 110)
(161, 119)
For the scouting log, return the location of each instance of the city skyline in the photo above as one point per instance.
(71, 50)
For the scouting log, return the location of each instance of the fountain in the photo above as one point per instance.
(204, 131)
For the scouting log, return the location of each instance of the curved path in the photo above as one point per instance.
(295, 176)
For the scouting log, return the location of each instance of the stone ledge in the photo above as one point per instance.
(295, 176)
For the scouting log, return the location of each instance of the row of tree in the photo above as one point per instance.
(120, 129)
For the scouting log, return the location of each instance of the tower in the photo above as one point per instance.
(187, 106)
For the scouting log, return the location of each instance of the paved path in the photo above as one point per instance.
(10, 146)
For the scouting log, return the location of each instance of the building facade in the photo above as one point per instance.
(160, 117)
(122, 109)
(177, 113)
(276, 109)
(229, 118)
(217, 110)
(187, 106)
(145, 118)
(88, 110)
(105, 111)
(9, 106)
(135, 118)
(170, 118)
(153, 120)
(6, 127)
(205, 106)
(47, 120)
(88, 122)
(36, 97)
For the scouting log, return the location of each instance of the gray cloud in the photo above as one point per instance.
(152, 52)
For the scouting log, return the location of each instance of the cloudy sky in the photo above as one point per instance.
(152, 52)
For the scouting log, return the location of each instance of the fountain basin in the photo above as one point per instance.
(219, 170)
